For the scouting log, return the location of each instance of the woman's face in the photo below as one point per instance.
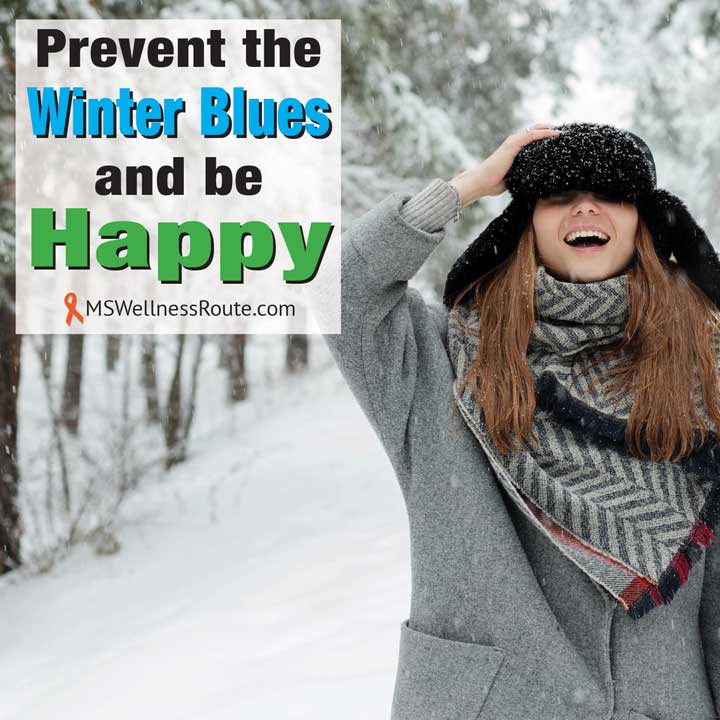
(585, 260)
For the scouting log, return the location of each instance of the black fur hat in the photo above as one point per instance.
(598, 158)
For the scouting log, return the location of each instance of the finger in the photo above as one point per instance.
(541, 125)
(534, 134)
(523, 139)
(533, 130)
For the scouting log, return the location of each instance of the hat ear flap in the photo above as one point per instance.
(674, 230)
(494, 245)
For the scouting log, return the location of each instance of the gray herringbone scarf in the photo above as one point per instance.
(634, 526)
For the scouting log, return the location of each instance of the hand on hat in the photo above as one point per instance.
(488, 178)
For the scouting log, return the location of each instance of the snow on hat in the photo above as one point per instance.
(598, 158)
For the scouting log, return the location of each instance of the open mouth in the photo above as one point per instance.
(587, 239)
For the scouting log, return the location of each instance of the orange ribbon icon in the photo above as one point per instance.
(71, 305)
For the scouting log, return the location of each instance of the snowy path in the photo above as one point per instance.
(264, 579)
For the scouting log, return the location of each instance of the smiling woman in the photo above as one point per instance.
(582, 490)
(583, 237)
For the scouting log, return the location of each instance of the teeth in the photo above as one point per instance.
(586, 233)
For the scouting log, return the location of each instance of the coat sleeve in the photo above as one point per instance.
(710, 620)
(392, 350)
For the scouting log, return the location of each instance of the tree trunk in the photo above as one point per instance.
(173, 413)
(237, 382)
(46, 357)
(149, 378)
(73, 383)
(224, 351)
(57, 434)
(112, 351)
(10, 343)
(296, 357)
(190, 411)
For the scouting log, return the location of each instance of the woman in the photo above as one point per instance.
(559, 533)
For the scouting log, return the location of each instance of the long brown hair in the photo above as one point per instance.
(671, 341)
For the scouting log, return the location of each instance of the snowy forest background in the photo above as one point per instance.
(197, 527)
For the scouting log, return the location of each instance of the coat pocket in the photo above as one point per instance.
(442, 679)
(633, 715)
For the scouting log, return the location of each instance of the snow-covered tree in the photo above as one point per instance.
(668, 51)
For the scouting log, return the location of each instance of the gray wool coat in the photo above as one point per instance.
(502, 626)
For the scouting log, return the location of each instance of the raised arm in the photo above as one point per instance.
(392, 345)
(392, 350)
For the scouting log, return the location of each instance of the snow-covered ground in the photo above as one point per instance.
(265, 578)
